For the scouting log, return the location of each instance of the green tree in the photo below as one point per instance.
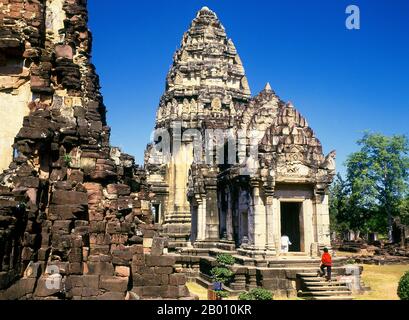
(338, 204)
(378, 180)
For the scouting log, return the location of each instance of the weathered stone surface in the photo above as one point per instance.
(113, 284)
(100, 268)
(111, 296)
(69, 198)
(159, 260)
(122, 271)
(73, 209)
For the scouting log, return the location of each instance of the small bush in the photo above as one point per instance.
(403, 288)
(221, 274)
(257, 294)
(225, 259)
(67, 160)
(222, 294)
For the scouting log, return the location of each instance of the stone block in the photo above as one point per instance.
(97, 226)
(158, 244)
(113, 283)
(122, 256)
(119, 189)
(122, 271)
(69, 197)
(163, 270)
(152, 291)
(48, 285)
(75, 268)
(66, 212)
(61, 227)
(100, 258)
(151, 280)
(111, 296)
(100, 268)
(177, 279)
(91, 281)
(89, 292)
(160, 261)
(99, 249)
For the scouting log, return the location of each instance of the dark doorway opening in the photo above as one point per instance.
(156, 213)
(290, 224)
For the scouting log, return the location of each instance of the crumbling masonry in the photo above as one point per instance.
(74, 211)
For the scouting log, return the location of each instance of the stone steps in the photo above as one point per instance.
(327, 288)
(326, 293)
(325, 283)
(314, 287)
(333, 298)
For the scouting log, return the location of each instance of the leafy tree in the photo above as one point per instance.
(338, 204)
(378, 180)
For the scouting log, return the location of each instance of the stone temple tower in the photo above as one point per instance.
(206, 88)
(229, 170)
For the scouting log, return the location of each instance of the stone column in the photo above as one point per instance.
(308, 227)
(259, 216)
(212, 214)
(270, 222)
(322, 218)
(201, 219)
(229, 217)
(276, 217)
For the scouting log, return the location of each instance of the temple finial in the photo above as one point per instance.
(206, 11)
(267, 87)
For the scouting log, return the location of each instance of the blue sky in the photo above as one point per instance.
(343, 81)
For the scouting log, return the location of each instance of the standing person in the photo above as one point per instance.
(285, 243)
(326, 262)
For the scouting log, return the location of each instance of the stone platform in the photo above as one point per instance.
(278, 274)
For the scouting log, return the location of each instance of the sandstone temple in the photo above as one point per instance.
(226, 171)
(209, 203)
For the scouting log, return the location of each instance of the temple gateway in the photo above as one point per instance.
(230, 170)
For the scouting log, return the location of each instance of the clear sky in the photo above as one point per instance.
(343, 81)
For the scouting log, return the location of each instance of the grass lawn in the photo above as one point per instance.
(383, 281)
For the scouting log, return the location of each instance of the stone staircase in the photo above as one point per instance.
(314, 287)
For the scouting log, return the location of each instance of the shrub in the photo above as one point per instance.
(225, 259)
(67, 160)
(403, 288)
(221, 274)
(222, 294)
(257, 294)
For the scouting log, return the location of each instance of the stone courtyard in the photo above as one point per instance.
(79, 219)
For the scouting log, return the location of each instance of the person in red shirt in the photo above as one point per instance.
(326, 262)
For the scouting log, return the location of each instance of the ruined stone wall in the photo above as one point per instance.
(74, 212)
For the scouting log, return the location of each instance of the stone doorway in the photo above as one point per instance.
(290, 223)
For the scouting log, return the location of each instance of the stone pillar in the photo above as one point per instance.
(259, 218)
(270, 222)
(229, 217)
(322, 218)
(276, 219)
(177, 222)
(212, 214)
(308, 227)
(201, 219)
